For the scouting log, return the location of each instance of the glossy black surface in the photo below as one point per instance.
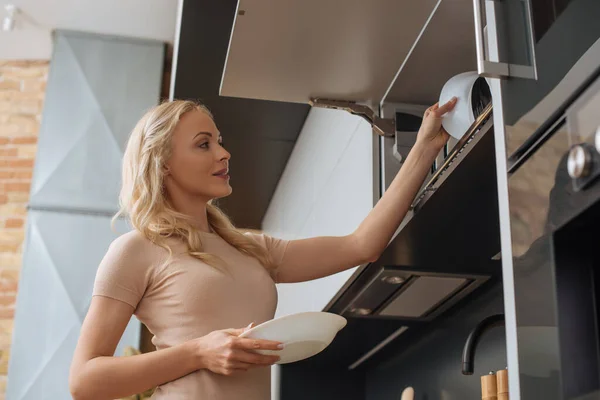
(542, 203)
(427, 356)
(569, 37)
(577, 266)
(545, 13)
(431, 362)
(556, 357)
(553, 267)
(300, 382)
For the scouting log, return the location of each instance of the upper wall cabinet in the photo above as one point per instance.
(365, 51)
(298, 49)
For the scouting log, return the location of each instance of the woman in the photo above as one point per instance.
(194, 280)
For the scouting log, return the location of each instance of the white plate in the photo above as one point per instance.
(304, 334)
(459, 120)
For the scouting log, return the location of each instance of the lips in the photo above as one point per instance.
(222, 172)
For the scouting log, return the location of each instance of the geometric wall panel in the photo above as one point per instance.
(98, 87)
(59, 267)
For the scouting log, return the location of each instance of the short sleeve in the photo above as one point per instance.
(275, 247)
(123, 272)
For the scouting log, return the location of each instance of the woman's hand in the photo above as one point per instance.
(431, 132)
(224, 352)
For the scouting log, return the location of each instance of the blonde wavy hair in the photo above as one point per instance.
(143, 198)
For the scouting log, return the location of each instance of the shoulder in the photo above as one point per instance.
(252, 234)
(126, 269)
(131, 242)
(130, 254)
(134, 247)
(272, 244)
(259, 237)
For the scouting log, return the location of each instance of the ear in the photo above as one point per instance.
(166, 170)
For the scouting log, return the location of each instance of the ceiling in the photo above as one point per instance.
(260, 135)
(31, 39)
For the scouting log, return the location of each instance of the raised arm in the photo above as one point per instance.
(317, 257)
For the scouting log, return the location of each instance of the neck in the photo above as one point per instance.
(193, 207)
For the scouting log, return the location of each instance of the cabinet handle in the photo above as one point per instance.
(493, 68)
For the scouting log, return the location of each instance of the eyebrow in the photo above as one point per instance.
(205, 133)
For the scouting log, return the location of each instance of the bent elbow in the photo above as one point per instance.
(78, 388)
(371, 258)
(364, 251)
(76, 392)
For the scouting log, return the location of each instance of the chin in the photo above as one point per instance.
(223, 193)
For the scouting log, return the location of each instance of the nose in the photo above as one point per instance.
(223, 155)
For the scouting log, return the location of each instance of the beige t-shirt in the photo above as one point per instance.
(186, 298)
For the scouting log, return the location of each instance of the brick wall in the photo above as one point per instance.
(22, 87)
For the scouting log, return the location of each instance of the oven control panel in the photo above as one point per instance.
(583, 124)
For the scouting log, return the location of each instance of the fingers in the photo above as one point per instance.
(239, 331)
(449, 106)
(234, 368)
(257, 344)
(239, 367)
(254, 359)
(235, 332)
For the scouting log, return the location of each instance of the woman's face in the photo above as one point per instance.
(199, 165)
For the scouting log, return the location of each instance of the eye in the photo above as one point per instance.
(203, 145)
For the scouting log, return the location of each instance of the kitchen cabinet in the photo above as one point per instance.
(294, 50)
(369, 52)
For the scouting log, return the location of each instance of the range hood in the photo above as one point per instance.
(411, 294)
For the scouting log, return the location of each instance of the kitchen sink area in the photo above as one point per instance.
(500, 233)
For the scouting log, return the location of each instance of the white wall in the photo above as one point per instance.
(325, 190)
(32, 37)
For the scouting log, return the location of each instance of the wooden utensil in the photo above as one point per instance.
(502, 384)
(488, 387)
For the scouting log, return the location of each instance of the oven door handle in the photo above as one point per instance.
(491, 66)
